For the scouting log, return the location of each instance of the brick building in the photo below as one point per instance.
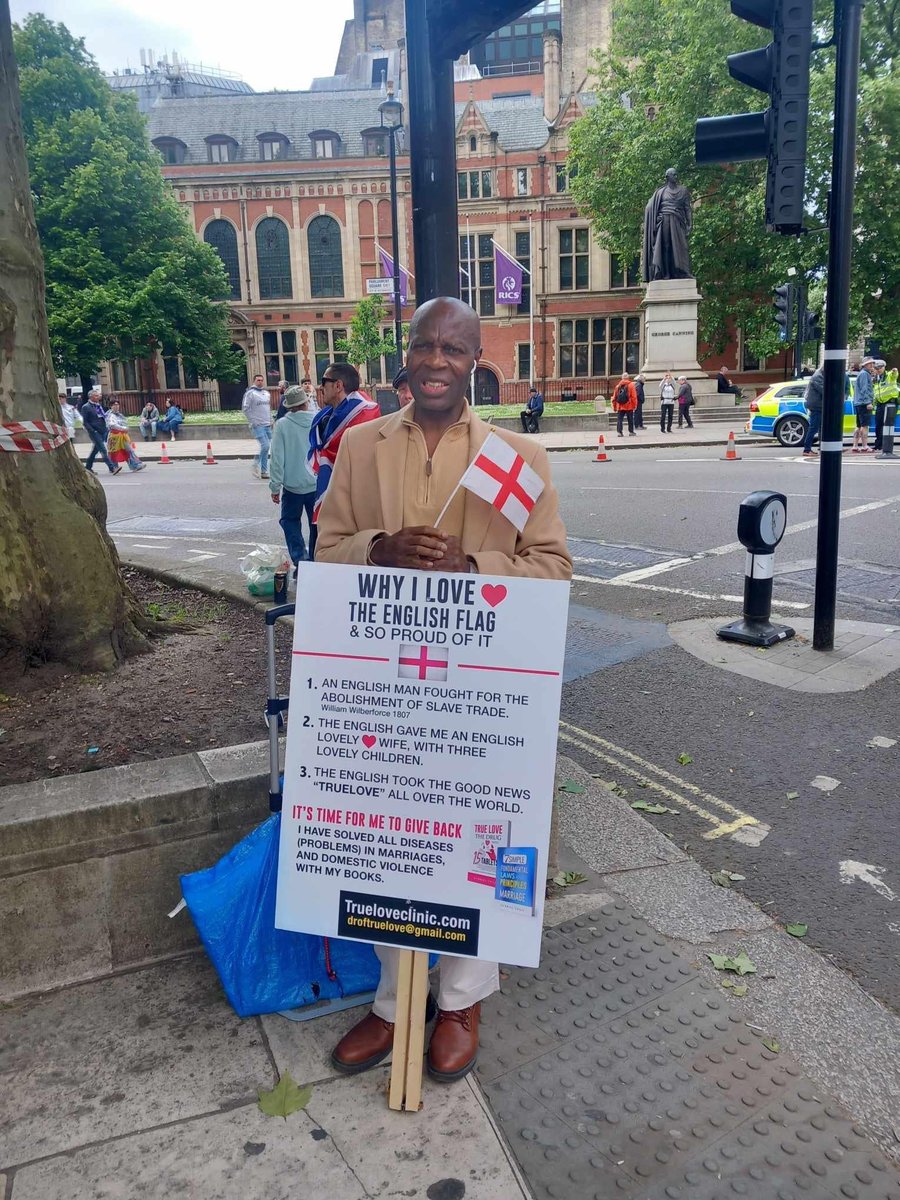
(292, 189)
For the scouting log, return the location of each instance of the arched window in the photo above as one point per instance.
(273, 259)
(273, 146)
(473, 143)
(223, 239)
(221, 148)
(326, 267)
(325, 143)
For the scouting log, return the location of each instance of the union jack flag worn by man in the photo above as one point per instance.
(342, 407)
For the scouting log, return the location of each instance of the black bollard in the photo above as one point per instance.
(762, 519)
(887, 433)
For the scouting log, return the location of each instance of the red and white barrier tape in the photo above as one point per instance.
(31, 437)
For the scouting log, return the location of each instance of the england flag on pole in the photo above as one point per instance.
(502, 477)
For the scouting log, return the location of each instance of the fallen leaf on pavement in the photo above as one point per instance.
(725, 878)
(684, 759)
(739, 963)
(771, 1044)
(792, 795)
(644, 806)
(284, 1098)
(574, 789)
(569, 878)
(796, 930)
(739, 989)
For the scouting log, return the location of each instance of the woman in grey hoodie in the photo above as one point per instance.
(290, 479)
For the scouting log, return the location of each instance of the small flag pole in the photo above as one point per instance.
(437, 523)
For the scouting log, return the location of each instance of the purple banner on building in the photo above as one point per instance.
(387, 270)
(508, 278)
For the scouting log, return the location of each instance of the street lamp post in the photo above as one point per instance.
(391, 112)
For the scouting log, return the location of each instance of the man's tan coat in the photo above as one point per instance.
(365, 498)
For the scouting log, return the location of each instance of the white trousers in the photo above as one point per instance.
(463, 982)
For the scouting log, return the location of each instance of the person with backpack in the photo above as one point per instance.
(624, 402)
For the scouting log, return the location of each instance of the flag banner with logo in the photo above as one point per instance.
(387, 270)
(508, 276)
(502, 477)
(420, 759)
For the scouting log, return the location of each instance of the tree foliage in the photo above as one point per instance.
(124, 271)
(366, 340)
(666, 67)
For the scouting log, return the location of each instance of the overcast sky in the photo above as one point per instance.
(271, 46)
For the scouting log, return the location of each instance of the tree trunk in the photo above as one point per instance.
(61, 594)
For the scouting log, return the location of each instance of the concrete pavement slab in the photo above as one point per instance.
(681, 901)
(864, 652)
(128, 1052)
(304, 1047)
(447, 1151)
(602, 828)
(215, 1157)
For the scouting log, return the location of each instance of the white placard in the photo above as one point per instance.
(380, 287)
(420, 759)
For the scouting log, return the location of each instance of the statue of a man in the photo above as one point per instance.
(667, 222)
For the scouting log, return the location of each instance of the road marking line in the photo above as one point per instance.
(865, 873)
(145, 546)
(641, 573)
(707, 797)
(673, 591)
(733, 827)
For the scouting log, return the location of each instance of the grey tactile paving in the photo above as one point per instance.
(654, 1087)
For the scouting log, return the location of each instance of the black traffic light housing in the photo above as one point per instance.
(779, 134)
(785, 299)
(812, 327)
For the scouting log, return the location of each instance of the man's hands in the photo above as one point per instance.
(276, 496)
(420, 548)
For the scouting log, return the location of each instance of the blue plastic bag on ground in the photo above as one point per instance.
(264, 969)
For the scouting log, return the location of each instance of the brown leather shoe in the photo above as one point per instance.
(368, 1042)
(454, 1044)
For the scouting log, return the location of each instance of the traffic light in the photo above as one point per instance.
(812, 327)
(784, 311)
(779, 134)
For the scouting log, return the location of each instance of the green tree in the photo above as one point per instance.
(366, 341)
(124, 271)
(664, 68)
(61, 595)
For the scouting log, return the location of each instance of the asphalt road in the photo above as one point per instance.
(653, 534)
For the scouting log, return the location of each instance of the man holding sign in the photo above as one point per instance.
(433, 488)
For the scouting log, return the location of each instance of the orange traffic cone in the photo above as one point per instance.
(210, 461)
(164, 457)
(602, 456)
(731, 455)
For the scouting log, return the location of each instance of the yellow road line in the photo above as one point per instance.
(591, 743)
(660, 771)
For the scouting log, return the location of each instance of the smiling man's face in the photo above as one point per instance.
(444, 346)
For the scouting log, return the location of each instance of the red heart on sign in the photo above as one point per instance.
(369, 740)
(494, 593)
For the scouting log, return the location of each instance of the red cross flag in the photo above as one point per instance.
(422, 662)
(502, 477)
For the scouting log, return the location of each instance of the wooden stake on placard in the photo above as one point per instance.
(405, 1091)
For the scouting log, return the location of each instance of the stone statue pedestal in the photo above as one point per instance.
(670, 339)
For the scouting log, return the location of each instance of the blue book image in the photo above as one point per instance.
(517, 876)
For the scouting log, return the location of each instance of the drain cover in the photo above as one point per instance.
(603, 560)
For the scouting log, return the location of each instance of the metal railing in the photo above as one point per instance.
(187, 399)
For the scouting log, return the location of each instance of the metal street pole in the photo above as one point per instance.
(848, 22)
(395, 246)
(801, 324)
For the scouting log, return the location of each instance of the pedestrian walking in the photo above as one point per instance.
(863, 404)
(70, 415)
(149, 421)
(118, 439)
(94, 416)
(290, 479)
(392, 479)
(812, 398)
(887, 392)
(666, 402)
(257, 408)
(280, 410)
(639, 392)
(685, 402)
(624, 402)
(531, 414)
